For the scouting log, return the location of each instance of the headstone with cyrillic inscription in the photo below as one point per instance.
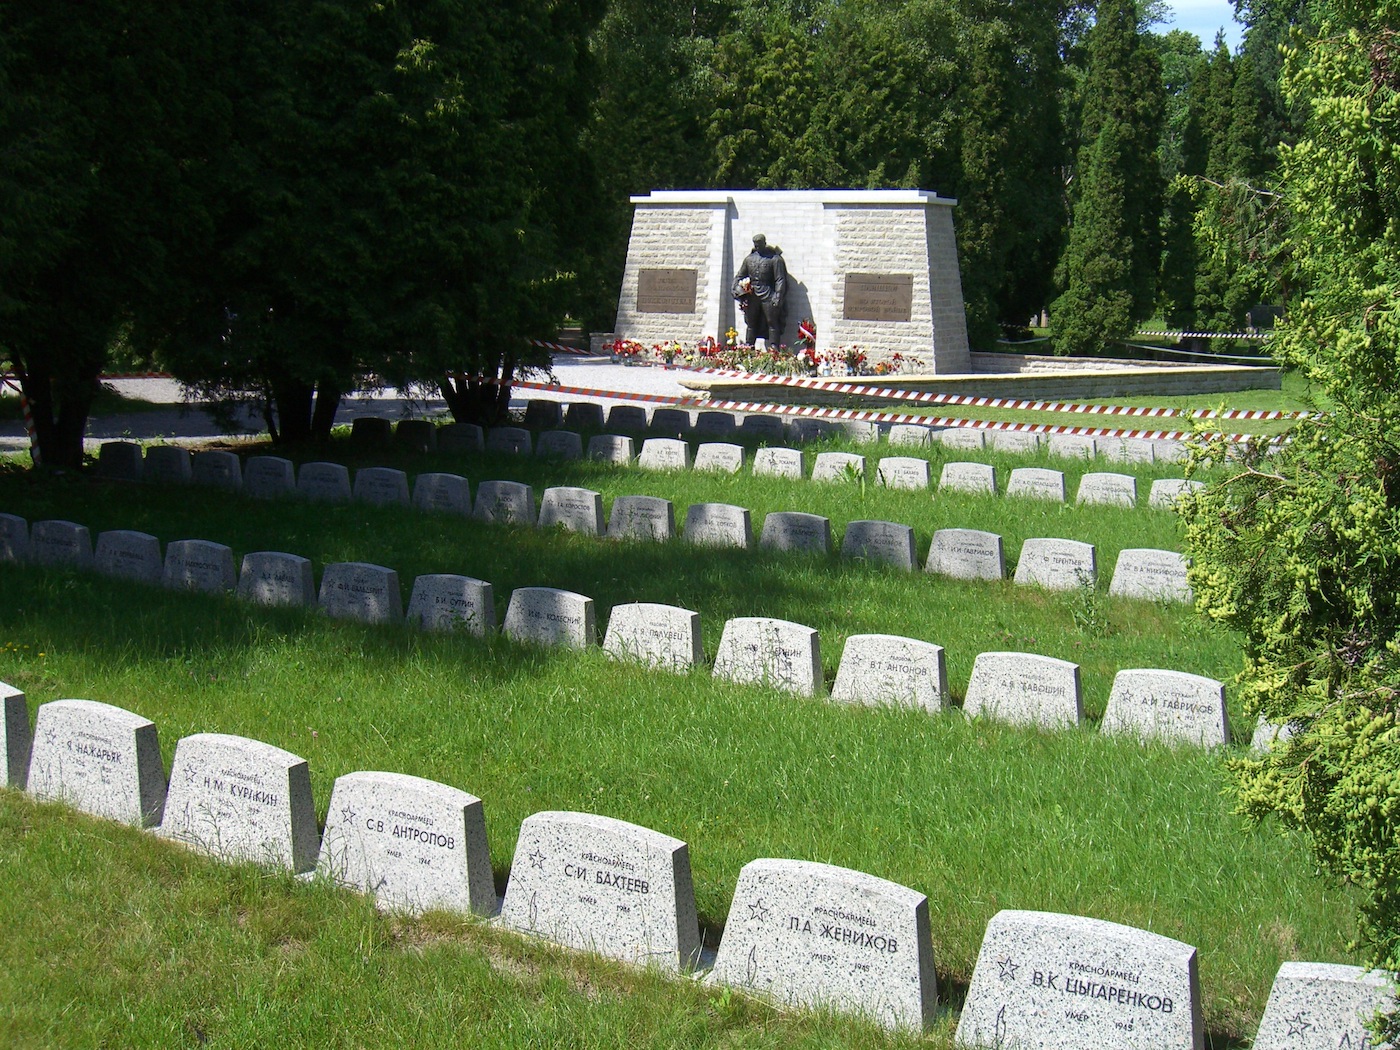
(606, 886)
(1064, 982)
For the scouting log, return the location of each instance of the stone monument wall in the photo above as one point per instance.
(874, 268)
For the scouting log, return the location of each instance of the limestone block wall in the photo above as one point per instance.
(824, 236)
(681, 235)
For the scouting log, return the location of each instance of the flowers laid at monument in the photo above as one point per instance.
(774, 360)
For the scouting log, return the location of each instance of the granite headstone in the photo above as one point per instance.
(381, 487)
(1025, 689)
(969, 477)
(1056, 564)
(664, 454)
(648, 518)
(1171, 706)
(560, 445)
(14, 538)
(572, 509)
(612, 448)
(218, 470)
(198, 565)
(413, 844)
(128, 555)
(241, 800)
(268, 477)
(1142, 572)
(17, 737)
(964, 439)
(718, 525)
(719, 458)
(168, 465)
(98, 759)
(357, 590)
(1037, 483)
(1062, 982)
(966, 554)
(797, 531)
(777, 463)
(119, 460)
(1166, 491)
(505, 503)
(883, 669)
(508, 441)
(324, 482)
(629, 419)
(448, 602)
(583, 415)
(416, 435)
(777, 653)
(448, 493)
(838, 466)
(1324, 1006)
(550, 616)
(903, 472)
(815, 935)
(57, 542)
(880, 542)
(661, 636)
(461, 437)
(276, 578)
(1072, 446)
(913, 435)
(606, 886)
(1115, 490)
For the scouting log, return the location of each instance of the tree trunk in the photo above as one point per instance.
(293, 400)
(328, 396)
(60, 415)
(484, 401)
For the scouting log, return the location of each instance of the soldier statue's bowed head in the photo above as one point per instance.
(760, 286)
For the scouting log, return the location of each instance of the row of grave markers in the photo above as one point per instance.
(1057, 564)
(875, 669)
(541, 415)
(800, 933)
(270, 477)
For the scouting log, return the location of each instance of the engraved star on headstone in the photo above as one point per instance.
(1298, 1023)
(758, 911)
(190, 774)
(347, 813)
(1008, 969)
(537, 859)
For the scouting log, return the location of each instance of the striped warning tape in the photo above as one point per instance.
(560, 348)
(1173, 334)
(872, 416)
(13, 383)
(930, 398)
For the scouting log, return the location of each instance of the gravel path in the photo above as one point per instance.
(189, 422)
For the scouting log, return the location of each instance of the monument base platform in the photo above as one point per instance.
(1019, 376)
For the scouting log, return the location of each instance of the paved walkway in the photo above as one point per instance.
(190, 422)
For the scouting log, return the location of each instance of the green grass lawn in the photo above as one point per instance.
(129, 940)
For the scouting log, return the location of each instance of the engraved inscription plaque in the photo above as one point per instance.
(666, 292)
(879, 296)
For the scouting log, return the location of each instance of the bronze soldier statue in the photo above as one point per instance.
(760, 286)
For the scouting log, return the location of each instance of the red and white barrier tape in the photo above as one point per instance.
(28, 413)
(930, 398)
(871, 416)
(560, 348)
(1171, 334)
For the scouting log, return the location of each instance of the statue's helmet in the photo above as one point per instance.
(760, 241)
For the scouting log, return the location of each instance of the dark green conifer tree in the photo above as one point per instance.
(1109, 268)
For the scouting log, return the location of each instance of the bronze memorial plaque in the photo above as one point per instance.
(666, 292)
(879, 296)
